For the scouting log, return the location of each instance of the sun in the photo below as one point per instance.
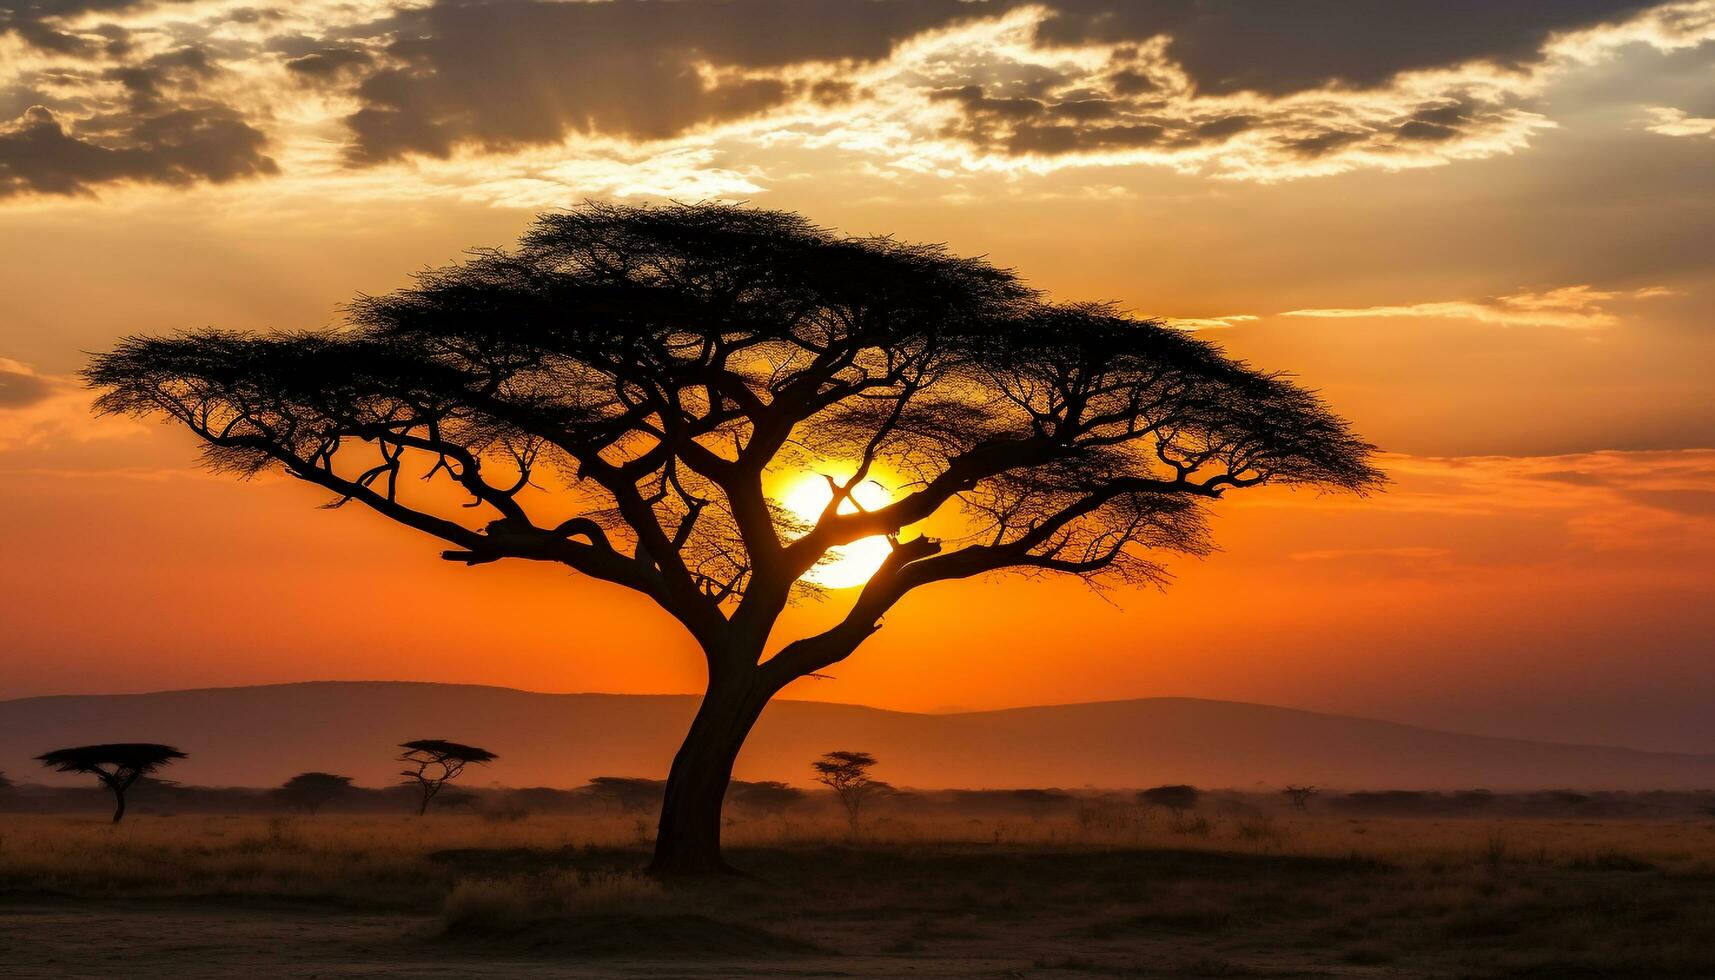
(851, 565)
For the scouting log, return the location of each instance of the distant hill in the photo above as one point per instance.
(258, 736)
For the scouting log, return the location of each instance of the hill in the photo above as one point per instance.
(257, 736)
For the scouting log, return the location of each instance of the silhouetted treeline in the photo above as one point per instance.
(638, 797)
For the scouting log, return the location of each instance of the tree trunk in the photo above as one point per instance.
(119, 804)
(688, 839)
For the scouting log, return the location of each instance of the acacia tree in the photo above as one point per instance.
(847, 774)
(1177, 797)
(118, 765)
(432, 763)
(623, 392)
(769, 797)
(631, 794)
(1299, 795)
(310, 791)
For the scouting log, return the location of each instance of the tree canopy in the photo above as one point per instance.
(660, 361)
(120, 761)
(309, 791)
(118, 765)
(435, 762)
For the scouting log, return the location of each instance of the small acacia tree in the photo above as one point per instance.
(847, 774)
(1299, 795)
(310, 791)
(768, 797)
(1177, 798)
(631, 794)
(118, 765)
(434, 762)
(624, 393)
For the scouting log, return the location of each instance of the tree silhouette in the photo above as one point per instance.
(847, 774)
(310, 791)
(1177, 798)
(632, 794)
(435, 762)
(768, 797)
(1299, 795)
(117, 765)
(650, 376)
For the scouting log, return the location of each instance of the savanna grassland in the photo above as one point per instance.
(1103, 891)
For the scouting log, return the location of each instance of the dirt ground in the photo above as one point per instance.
(191, 939)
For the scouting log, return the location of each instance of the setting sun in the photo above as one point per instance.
(850, 566)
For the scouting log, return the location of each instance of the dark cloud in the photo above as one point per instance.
(178, 72)
(325, 64)
(1275, 46)
(497, 75)
(1056, 140)
(1577, 478)
(1688, 502)
(177, 146)
(501, 74)
(42, 24)
(1220, 129)
(1022, 126)
(1323, 143)
(19, 389)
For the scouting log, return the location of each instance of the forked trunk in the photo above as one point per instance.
(688, 839)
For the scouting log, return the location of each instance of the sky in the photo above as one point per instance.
(1482, 230)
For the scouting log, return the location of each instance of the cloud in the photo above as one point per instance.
(1208, 322)
(1668, 121)
(1248, 90)
(21, 387)
(42, 409)
(1276, 48)
(1570, 307)
(52, 25)
(1607, 501)
(327, 64)
(501, 74)
(175, 146)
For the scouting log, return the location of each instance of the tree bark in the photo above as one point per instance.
(119, 804)
(688, 839)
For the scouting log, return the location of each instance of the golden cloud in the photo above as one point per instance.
(1570, 307)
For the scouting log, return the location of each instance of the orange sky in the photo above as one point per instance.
(1515, 309)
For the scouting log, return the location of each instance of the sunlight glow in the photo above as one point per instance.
(850, 566)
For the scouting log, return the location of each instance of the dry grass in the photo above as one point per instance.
(392, 860)
(1130, 891)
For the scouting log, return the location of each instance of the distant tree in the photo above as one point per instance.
(1177, 798)
(310, 791)
(1299, 795)
(1039, 801)
(117, 765)
(847, 774)
(632, 794)
(435, 762)
(769, 797)
(623, 394)
(1474, 799)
